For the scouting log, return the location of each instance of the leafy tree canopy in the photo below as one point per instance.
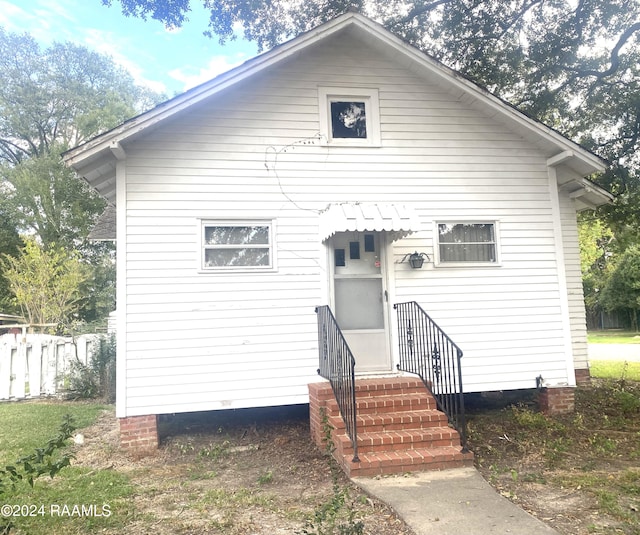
(622, 291)
(52, 99)
(60, 96)
(46, 284)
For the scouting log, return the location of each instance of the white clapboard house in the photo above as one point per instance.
(339, 175)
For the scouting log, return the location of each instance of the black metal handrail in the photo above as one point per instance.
(338, 366)
(428, 352)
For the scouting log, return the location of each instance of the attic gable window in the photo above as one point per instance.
(242, 245)
(467, 243)
(349, 116)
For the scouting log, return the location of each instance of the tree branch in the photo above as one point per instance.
(615, 56)
(417, 11)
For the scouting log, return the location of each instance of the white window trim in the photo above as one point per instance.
(439, 263)
(369, 96)
(207, 222)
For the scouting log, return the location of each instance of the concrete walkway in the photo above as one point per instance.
(452, 502)
(461, 501)
(628, 352)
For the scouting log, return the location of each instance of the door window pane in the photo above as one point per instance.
(359, 303)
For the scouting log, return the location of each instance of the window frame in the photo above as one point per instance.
(439, 262)
(271, 246)
(369, 96)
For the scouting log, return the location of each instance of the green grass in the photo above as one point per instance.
(613, 337)
(612, 369)
(29, 425)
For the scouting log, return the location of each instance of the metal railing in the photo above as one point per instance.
(428, 352)
(338, 366)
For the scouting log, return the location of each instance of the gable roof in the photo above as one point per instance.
(96, 159)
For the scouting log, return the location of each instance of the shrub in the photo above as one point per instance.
(97, 378)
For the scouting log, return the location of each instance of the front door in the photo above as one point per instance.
(360, 298)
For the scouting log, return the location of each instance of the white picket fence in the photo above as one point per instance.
(38, 364)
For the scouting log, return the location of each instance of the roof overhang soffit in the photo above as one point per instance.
(587, 194)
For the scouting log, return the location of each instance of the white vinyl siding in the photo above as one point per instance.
(255, 153)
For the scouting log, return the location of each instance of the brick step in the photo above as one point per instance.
(437, 437)
(399, 426)
(385, 403)
(394, 421)
(389, 387)
(396, 462)
(376, 387)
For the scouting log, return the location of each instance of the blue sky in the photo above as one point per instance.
(169, 61)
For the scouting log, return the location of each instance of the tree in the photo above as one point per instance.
(46, 284)
(50, 100)
(10, 244)
(622, 291)
(50, 201)
(59, 97)
(597, 246)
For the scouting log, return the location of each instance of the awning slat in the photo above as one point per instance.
(398, 220)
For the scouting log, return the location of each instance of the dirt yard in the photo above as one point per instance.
(257, 472)
(578, 473)
(240, 472)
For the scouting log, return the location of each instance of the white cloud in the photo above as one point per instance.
(9, 13)
(193, 76)
(107, 42)
(59, 8)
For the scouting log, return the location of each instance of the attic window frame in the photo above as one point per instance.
(367, 95)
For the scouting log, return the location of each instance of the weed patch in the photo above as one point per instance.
(578, 471)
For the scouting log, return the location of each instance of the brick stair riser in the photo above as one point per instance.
(372, 464)
(372, 471)
(417, 389)
(402, 421)
(408, 391)
(399, 442)
(393, 421)
(385, 404)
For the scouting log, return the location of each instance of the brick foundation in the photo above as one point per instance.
(560, 400)
(583, 377)
(139, 433)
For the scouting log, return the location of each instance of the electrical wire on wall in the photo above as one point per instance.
(271, 156)
(271, 164)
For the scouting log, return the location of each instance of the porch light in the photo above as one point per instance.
(416, 259)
